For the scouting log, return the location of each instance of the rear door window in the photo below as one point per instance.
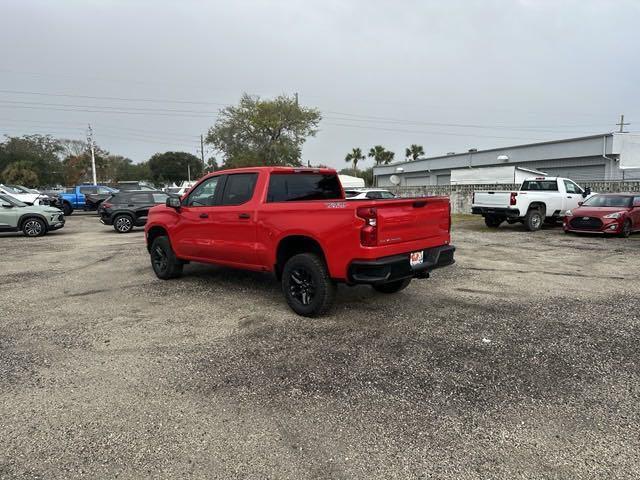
(140, 198)
(291, 187)
(238, 188)
(90, 189)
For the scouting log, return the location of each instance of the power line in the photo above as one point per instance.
(97, 110)
(120, 99)
(165, 110)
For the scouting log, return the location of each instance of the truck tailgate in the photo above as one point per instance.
(491, 199)
(412, 219)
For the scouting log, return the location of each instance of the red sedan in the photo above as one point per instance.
(609, 213)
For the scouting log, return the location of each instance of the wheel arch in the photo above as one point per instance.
(26, 216)
(538, 206)
(155, 232)
(294, 244)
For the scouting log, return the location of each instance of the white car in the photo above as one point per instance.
(28, 198)
(539, 200)
(367, 193)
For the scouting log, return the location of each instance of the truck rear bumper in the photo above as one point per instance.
(496, 211)
(397, 267)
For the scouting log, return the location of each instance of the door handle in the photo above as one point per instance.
(244, 216)
(204, 215)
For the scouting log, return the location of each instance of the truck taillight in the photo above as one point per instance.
(449, 205)
(512, 200)
(107, 205)
(473, 198)
(369, 232)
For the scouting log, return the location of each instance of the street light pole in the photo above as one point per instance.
(93, 155)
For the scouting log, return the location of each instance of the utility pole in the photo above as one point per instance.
(296, 96)
(622, 124)
(202, 149)
(188, 171)
(93, 155)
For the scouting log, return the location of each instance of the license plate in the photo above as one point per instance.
(416, 258)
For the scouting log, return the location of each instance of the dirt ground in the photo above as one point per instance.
(520, 361)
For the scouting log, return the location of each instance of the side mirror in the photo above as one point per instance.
(580, 204)
(587, 192)
(173, 202)
(7, 205)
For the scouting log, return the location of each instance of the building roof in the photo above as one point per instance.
(576, 147)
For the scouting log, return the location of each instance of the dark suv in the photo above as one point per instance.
(125, 210)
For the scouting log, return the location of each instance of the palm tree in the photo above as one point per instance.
(414, 152)
(381, 155)
(355, 156)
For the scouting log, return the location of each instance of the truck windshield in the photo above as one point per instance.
(291, 187)
(540, 185)
(608, 201)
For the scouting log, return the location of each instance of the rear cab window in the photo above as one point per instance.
(540, 185)
(295, 187)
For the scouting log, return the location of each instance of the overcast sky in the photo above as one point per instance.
(449, 75)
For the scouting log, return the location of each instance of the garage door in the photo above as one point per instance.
(584, 172)
(443, 179)
(417, 181)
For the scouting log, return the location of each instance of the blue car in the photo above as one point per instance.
(84, 197)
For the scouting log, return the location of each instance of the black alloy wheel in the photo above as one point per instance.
(164, 262)
(302, 286)
(307, 286)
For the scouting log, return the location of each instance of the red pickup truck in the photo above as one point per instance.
(296, 223)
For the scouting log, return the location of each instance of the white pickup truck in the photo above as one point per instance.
(540, 199)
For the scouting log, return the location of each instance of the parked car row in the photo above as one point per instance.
(553, 199)
(32, 220)
(29, 196)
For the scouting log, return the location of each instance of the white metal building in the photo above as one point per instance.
(608, 156)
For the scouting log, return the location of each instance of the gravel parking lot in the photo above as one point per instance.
(521, 361)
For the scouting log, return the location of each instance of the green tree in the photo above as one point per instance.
(77, 163)
(21, 173)
(263, 132)
(174, 166)
(414, 152)
(354, 157)
(40, 152)
(381, 155)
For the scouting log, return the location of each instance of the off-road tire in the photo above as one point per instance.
(34, 227)
(307, 286)
(164, 262)
(123, 223)
(534, 219)
(392, 287)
